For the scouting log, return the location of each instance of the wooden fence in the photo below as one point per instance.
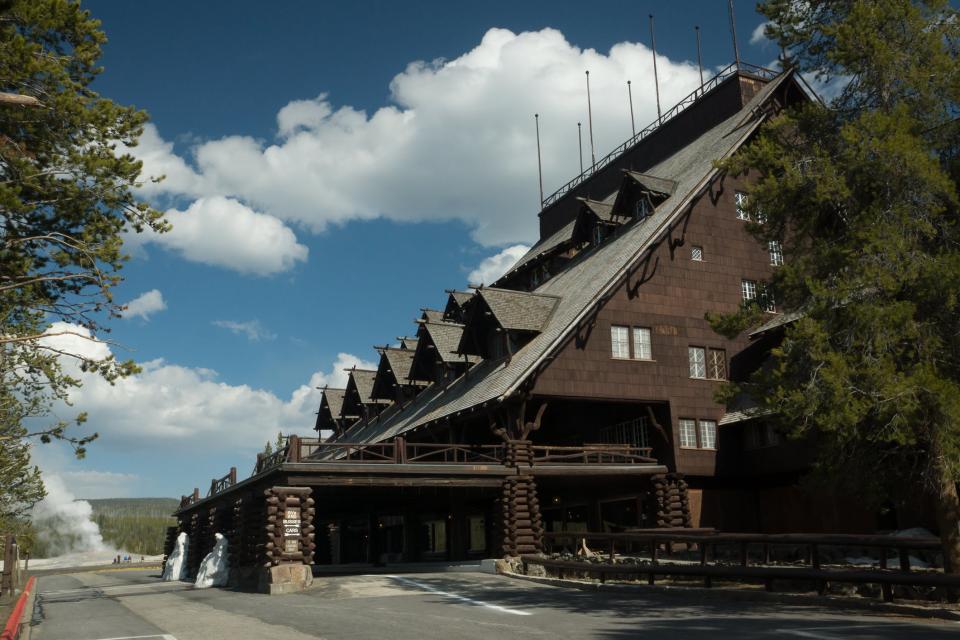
(659, 545)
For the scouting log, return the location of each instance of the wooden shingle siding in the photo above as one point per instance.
(672, 303)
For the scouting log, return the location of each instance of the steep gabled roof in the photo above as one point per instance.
(445, 336)
(406, 342)
(457, 304)
(603, 210)
(519, 310)
(331, 403)
(400, 361)
(661, 186)
(585, 282)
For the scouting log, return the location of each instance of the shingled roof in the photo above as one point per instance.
(603, 210)
(331, 404)
(519, 310)
(584, 282)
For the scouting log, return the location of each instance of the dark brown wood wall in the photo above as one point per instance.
(672, 303)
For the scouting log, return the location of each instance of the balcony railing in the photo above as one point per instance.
(399, 451)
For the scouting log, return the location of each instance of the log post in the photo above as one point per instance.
(520, 507)
(885, 587)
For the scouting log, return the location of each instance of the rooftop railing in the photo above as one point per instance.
(656, 124)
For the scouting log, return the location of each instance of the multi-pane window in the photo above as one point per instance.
(776, 253)
(641, 343)
(698, 365)
(696, 253)
(767, 301)
(642, 208)
(748, 288)
(688, 433)
(708, 434)
(717, 364)
(620, 342)
(597, 234)
(740, 199)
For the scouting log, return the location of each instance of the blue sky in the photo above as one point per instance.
(322, 191)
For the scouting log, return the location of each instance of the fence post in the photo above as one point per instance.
(233, 476)
(885, 587)
(904, 559)
(653, 560)
(400, 450)
(707, 580)
(815, 557)
(293, 448)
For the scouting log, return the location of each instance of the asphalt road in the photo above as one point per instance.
(128, 604)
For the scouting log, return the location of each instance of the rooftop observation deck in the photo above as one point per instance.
(725, 73)
(402, 463)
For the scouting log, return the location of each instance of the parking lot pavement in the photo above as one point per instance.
(127, 605)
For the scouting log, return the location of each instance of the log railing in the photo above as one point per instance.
(658, 546)
(399, 451)
(219, 485)
(592, 454)
(189, 499)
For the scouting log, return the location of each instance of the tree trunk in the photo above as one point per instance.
(947, 506)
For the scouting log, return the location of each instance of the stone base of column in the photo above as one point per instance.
(285, 578)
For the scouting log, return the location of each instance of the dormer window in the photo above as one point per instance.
(642, 208)
(598, 234)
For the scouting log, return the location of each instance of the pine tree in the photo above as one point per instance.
(66, 200)
(863, 195)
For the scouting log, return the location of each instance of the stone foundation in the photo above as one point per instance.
(285, 578)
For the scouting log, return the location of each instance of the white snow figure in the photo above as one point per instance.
(215, 569)
(176, 567)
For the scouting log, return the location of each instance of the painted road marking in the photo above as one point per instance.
(457, 596)
(840, 631)
(162, 636)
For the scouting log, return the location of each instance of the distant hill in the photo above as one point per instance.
(136, 525)
(159, 507)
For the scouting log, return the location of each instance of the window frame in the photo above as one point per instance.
(614, 353)
(740, 198)
(775, 249)
(701, 434)
(691, 349)
(711, 361)
(748, 290)
(694, 249)
(649, 343)
(692, 424)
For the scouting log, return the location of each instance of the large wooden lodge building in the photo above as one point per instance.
(575, 393)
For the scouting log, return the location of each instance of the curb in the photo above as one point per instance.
(12, 629)
(833, 602)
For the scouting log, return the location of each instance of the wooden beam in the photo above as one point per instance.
(18, 99)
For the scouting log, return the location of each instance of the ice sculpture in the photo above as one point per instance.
(176, 566)
(215, 568)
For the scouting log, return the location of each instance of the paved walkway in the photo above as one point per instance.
(132, 604)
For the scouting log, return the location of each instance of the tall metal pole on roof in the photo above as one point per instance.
(580, 145)
(593, 155)
(699, 57)
(733, 32)
(656, 80)
(536, 118)
(633, 127)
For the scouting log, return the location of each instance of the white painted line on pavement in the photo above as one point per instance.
(457, 596)
(822, 633)
(162, 636)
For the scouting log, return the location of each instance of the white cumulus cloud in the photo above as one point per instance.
(456, 142)
(494, 266)
(145, 305)
(224, 232)
(252, 329)
(176, 409)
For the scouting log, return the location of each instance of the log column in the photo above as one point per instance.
(289, 526)
(671, 501)
(519, 506)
